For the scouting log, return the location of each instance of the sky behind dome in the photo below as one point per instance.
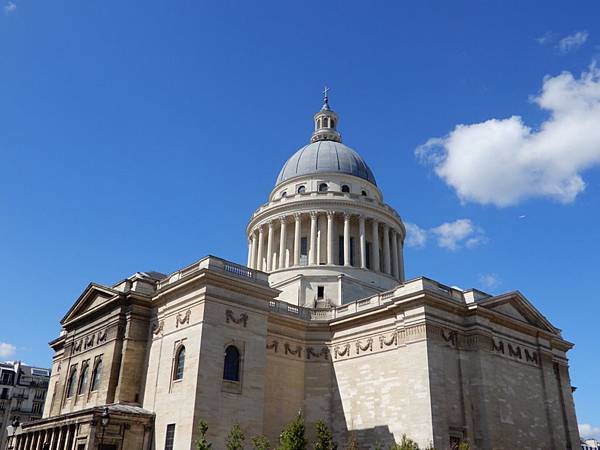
(141, 136)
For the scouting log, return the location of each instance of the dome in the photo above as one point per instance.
(325, 157)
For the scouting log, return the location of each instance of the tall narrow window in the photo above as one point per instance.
(352, 263)
(320, 292)
(368, 255)
(341, 250)
(170, 437)
(97, 375)
(179, 363)
(231, 369)
(303, 251)
(71, 382)
(83, 378)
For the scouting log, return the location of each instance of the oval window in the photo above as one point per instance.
(301, 189)
(323, 187)
(345, 188)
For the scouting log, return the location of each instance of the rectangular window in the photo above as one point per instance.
(352, 251)
(320, 292)
(170, 437)
(341, 250)
(368, 255)
(304, 251)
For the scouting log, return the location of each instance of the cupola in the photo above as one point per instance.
(326, 123)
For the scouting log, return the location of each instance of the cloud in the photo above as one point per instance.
(7, 350)
(489, 281)
(547, 38)
(449, 235)
(415, 235)
(588, 431)
(572, 41)
(10, 7)
(504, 161)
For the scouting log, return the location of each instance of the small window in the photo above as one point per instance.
(97, 375)
(179, 363)
(320, 292)
(364, 193)
(170, 437)
(301, 189)
(231, 369)
(323, 187)
(72, 381)
(283, 194)
(83, 379)
(345, 188)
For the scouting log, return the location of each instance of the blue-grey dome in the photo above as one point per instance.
(325, 156)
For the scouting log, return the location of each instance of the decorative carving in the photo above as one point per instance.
(296, 352)
(311, 352)
(340, 351)
(368, 346)
(157, 328)
(498, 348)
(77, 345)
(532, 357)
(182, 319)
(450, 336)
(229, 317)
(101, 336)
(516, 351)
(273, 346)
(89, 341)
(393, 340)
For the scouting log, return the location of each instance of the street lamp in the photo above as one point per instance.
(104, 419)
(12, 430)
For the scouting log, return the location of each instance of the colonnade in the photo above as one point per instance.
(59, 438)
(385, 243)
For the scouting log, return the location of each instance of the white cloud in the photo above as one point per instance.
(546, 38)
(7, 350)
(10, 7)
(504, 161)
(415, 235)
(572, 41)
(453, 235)
(589, 431)
(489, 281)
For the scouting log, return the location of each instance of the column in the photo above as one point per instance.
(395, 271)
(363, 242)
(347, 239)
(34, 440)
(53, 439)
(42, 439)
(297, 229)
(312, 251)
(270, 247)
(261, 237)
(375, 231)
(401, 275)
(386, 249)
(254, 248)
(67, 437)
(330, 217)
(249, 261)
(282, 241)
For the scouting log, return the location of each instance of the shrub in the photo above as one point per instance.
(261, 443)
(292, 437)
(324, 437)
(202, 443)
(235, 439)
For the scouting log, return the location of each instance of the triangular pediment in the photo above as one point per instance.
(516, 306)
(92, 298)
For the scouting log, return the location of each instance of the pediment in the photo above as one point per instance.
(516, 306)
(91, 299)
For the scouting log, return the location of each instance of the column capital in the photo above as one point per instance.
(348, 216)
(271, 224)
(314, 214)
(283, 219)
(330, 213)
(297, 216)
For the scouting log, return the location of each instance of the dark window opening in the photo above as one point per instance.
(179, 363)
(284, 194)
(170, 437)
(352, 251)
(304, 250)
(341, 251)
(345, 188)
(83, 379)
(323, 187)
(364, 193)
(72, 381)
(320, 292)
(368, 256)
(231, 369)
(97, 375)
(301, 189)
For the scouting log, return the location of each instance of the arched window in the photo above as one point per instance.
(72, 381)
(83, 379)
(301, 189)
(97, 375)
(231, 368)
(364, 193)
(179, 363)
(345, 188)
(323, 187)
(283, 194)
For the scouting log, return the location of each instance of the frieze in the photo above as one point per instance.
(273, 346)
(229, 317)
(289, 351)
(393, 340)
(310, 352)
(515, 351)
(343, 350)
(182, 319)
(158, 327)
(368, 346)
(90, 341)
(450, 336)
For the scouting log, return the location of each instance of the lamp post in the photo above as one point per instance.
(104, 419)
(11, 431)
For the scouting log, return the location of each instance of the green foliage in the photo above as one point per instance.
(352, 443)
(464, 446)
(292, 437)
(324, 437)
(405, 444)
(378, 446)
(235, 439)
(202, 443)
(261, 443)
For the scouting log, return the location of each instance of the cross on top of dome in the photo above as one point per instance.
(326, 122)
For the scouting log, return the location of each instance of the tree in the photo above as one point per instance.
(324, 437)
(261, 443)
(202, 443)
(235, 439)
(292, 437)
(405, 444)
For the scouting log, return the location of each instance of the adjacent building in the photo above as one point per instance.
(320, 319)
(22, 394)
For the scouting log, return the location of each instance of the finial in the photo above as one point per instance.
(325, 98)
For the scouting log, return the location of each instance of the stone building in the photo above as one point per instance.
(321, 319)
(22, 394)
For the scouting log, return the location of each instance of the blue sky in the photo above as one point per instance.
(142, 135)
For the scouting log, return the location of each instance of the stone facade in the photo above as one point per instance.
(321, 321)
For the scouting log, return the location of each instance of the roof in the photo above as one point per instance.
(325, 157)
